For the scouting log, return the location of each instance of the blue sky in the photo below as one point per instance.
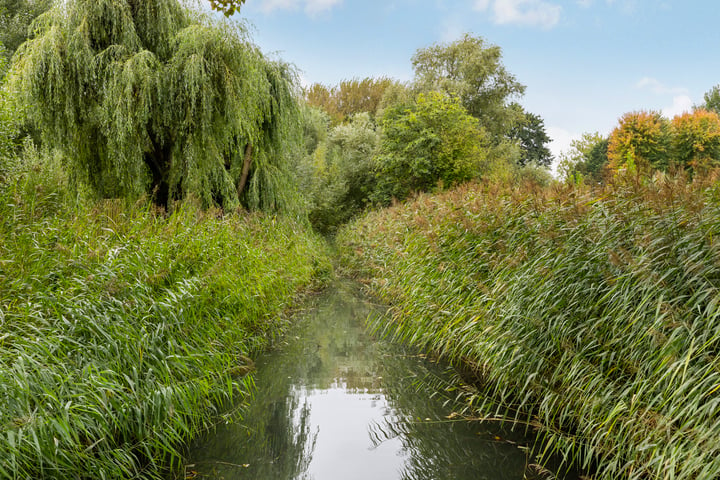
(584, 62)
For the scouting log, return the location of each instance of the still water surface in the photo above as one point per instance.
(333, 403)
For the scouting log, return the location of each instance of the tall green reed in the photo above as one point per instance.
(592, 317)
(123, 331)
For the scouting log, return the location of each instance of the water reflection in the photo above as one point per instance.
(439, 447)
(333, 403)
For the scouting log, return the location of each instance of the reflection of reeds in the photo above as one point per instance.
(277, 443)
(120, 330)
(438, 445)
(277, 440)
(592, 315)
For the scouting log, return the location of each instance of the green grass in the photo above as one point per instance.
(593, 317)
(122, 332)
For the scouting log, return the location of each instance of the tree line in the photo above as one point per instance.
(645, 141)
(374, 140)
(156, 99)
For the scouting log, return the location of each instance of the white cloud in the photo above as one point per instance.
(522, 12)
(311, 7)
(627, 7)
(657, 87)
(681, 104)
(317, 6)
(560, 141)
(681, 101)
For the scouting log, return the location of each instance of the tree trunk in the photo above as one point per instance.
(245, 170)
(158, 161)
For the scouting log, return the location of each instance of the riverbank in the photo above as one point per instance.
(590, 316)
(123, 331)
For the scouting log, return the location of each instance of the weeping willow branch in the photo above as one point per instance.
(149, 96)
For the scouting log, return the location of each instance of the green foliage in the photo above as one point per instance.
(712, 100)
(3, 64)
(643, 138)
(227, 7)
(696, 140)
(471, 69)
(530, 133)
(7, 123)
(587, 159)
(337, 173)
(592, 318)
(16, 16)
(10, 120)
(149, 97)
(646, 142)
(429, 142)
(124, 332)
(395, 95)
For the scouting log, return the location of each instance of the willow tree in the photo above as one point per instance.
(228, 7)
(148, 96)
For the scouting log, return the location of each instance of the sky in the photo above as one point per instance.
(584, 62)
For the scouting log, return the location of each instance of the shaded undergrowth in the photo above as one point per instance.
(123, 332)
(591, 316)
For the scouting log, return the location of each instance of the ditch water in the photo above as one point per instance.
(333, 403)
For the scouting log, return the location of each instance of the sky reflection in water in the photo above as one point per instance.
(332, 403)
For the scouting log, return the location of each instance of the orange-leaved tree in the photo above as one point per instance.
(349, 97)
(641, 141)
(696, 140)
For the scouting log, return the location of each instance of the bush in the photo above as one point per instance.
(337, 175)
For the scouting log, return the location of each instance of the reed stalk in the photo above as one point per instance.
(122, 329)
(593, 316)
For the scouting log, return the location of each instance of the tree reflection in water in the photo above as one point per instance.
(277, 444)
(334, 403)
(438, 447)
(327, 350)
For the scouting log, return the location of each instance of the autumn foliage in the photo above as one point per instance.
(349, 97)
(642, 140)
(696, 140)
(647, 141)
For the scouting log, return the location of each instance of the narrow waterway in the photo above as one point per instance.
(333, 403)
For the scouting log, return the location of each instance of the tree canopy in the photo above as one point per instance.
(471, 69)
(228, 7)
(696, 140)
(349, 97)
(15, 19)
(712, 100)
(147, 96)
(429, 142)
(586, 160)
(641, 139)
(647, 140)
(530, 132)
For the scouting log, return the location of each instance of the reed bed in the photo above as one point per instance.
(591, 316)
(123, 333)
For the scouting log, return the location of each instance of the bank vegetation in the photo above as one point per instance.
(590, 316)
